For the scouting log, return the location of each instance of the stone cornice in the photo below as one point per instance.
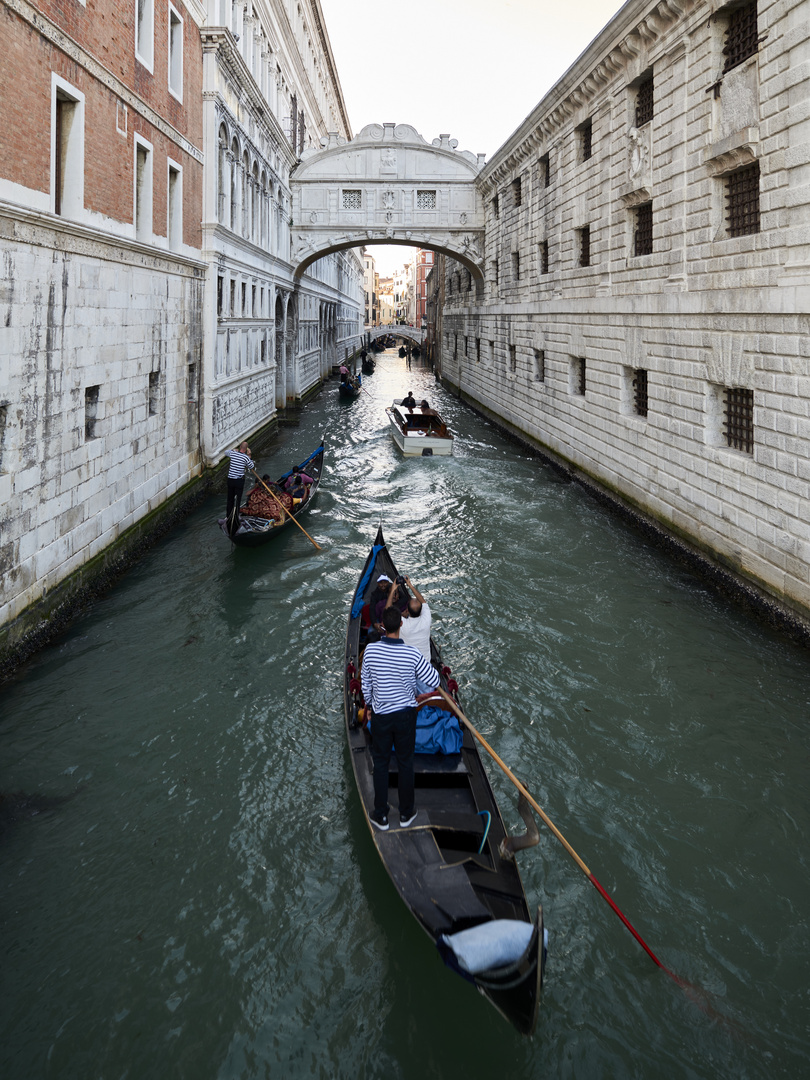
(635, 29)
(219, 41)
(66, 44)
(326, 45)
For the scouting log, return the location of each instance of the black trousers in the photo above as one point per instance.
(235, 489)
(399, 729)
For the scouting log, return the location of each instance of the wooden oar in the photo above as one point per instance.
(284, 510)
(559, 836)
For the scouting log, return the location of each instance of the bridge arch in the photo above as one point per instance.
(388, 185)
(413, 334)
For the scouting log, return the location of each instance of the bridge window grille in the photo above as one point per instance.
(425, 200)
(543, 256)
(352, 199)
(643, 236)
(741, 35)
(644, 102)
(586, 139)
(517, 192)
(640, 391)
(738, 418)
(585, 246)
(742, 201)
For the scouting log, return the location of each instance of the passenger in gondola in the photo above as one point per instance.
(298, 485)
(416, 620)
(409, 402)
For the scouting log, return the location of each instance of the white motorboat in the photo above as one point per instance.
(419, 432)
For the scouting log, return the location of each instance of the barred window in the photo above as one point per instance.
(644, 102)
(497, 272)
(586, 139)
(542, 256)
(579, 375)
(517, 192)
(643, 234)
(478, 350)
(352, 199)
(585, 246)
(516, 266)
(91, 410)
(741, 35)
(425, 200)
(496, 209)
(742, 201)
(640, 391)
(539, 365)
(738, 418)
(513, 358)
(545, 170)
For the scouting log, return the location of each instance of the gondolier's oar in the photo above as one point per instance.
(559, 836)
(284, 509)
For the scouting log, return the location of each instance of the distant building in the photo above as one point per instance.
(424, 263)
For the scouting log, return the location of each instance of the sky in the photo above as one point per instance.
(472, 68)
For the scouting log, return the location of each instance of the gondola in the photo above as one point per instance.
(450, 866)
(254, 531)
(348, 390)
(368, 365)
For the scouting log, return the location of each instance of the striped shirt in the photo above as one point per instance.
(240, 463)
(391, 670)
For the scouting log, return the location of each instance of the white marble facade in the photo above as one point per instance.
(671, 364)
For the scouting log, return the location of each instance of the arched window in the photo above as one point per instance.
(223, 179)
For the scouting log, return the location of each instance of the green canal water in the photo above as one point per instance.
(202, 898)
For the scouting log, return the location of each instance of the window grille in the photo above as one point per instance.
(513, 358)
(516, 266)
(585, 246)
(154, 392)
(644, 102)
(478, 350)
(579, 373)
(425, 200)
(496, 210)
(352, 199)
(741, 35)
(497, 272)
(543, 256)
(742, 201)
(540, 365)
(586, 139)
(545, 169)
(738, 408)
(517, 193)
(640, 391)
(643, 238)
(90, 411)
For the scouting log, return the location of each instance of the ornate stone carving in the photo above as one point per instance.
(639, 152)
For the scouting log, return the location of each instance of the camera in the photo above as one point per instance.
(400, 579)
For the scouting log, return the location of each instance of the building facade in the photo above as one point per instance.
(270, 92)
(101, 178)
(644, 317)
(370, 287)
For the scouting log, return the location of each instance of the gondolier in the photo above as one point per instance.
(391, 672)
(238, 468)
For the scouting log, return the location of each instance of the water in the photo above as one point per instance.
(206, 902)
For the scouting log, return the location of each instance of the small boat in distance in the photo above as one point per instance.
(256, 529)
(454, 866)
(419, 432)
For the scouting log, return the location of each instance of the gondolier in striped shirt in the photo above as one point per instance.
(391, 673)
(239, 466)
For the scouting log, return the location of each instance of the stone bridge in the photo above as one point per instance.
(409, 332)
(388, 185)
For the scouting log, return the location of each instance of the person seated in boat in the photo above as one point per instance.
(416, 620)
(300, 482)
(409, 402)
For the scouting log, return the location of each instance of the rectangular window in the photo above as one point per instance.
(154, 392)
(145, 32)
(175, 207)
(545, 170)
(244, 299)
(577, 381)
(264, 351)
(192, 382)
(3, 428)
(738, 418)
(352, 199)
(584, 237)
(644, 101)
(143, 190)
(175, 54)
(585, 140)
(253, 310)
(496, 209)
(517, 192)
(90, 411)
(425, 200)
(643, 232)
(67, 149)
(640, 392)
(515, 266)
(232, 307)
(492, 352)
(220, 288)
(539, 365)
(742, 201)
(513, 358)
(497, 272)
(542, 257)
(742, 39)
(478, 350)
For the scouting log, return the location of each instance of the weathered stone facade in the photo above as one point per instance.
(645, 312)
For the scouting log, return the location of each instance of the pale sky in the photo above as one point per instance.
(472, 68)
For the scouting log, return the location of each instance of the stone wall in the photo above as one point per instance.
(558, 347)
